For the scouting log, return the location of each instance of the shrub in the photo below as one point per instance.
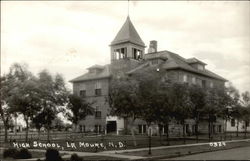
(23, 154)
(10, 153)
(52, 155)
(74, 157)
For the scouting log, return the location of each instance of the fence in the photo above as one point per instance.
(92, 142)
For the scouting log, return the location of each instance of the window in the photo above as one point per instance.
(137, 54)
(194, 80)
(247, 123)
(120, 53)
(203, 83)
(211, 85)
(193, 129)
(82, 128)
(123, 53)
(214, 129)
(200, 67)
(82, 90)
(142, 129)
(92, 70)
(83, 93)
(98, 128)
(165, 129)
(98, 114)
(184, 78)
(117, 54)
(199, 82)
(219, 128)
(154, 61)
(98, 85)
(233, 122)
(98, 92)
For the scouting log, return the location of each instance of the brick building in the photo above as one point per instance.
(127, 52)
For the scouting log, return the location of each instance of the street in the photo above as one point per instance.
(242, 153)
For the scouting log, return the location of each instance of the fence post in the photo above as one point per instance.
(149, 144)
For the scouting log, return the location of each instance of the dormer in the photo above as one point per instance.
(195, 63)
(153, 55)
(127, 44)
(95, 69)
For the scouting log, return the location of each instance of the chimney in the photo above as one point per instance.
(152, 46)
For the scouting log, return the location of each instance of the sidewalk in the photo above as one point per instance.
(166, 147)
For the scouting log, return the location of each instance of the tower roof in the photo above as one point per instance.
(128, 33)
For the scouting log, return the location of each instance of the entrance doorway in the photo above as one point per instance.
(111, 126)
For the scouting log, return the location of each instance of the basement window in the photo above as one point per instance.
(142, 129)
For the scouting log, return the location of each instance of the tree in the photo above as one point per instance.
(234, 104)
(124, 101)
(79, 108)
(197, 97)
(39, 122)
(246, 109)
(165, 109)
(23, 97)
(5, 111)
(150, 97)
(58, 124)
(181, 103)
(217, 102)
(53, 97)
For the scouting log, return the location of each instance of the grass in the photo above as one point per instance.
(173, 152)
(102, 158)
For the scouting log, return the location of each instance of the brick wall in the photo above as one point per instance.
(98, 101)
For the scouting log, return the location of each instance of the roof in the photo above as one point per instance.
(105, 73)
(139, 67)
(96, 67)
(175, 61)
(194, 60)
(128, 33)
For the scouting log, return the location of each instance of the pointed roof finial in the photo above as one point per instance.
(128, 8)
(128, 33)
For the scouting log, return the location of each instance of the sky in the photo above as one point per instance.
(67, 37)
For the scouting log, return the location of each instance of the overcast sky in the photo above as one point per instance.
(67, 37)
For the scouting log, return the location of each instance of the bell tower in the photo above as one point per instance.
(127, 44)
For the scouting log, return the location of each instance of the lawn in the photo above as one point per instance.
(173, 152)
(101, 158)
